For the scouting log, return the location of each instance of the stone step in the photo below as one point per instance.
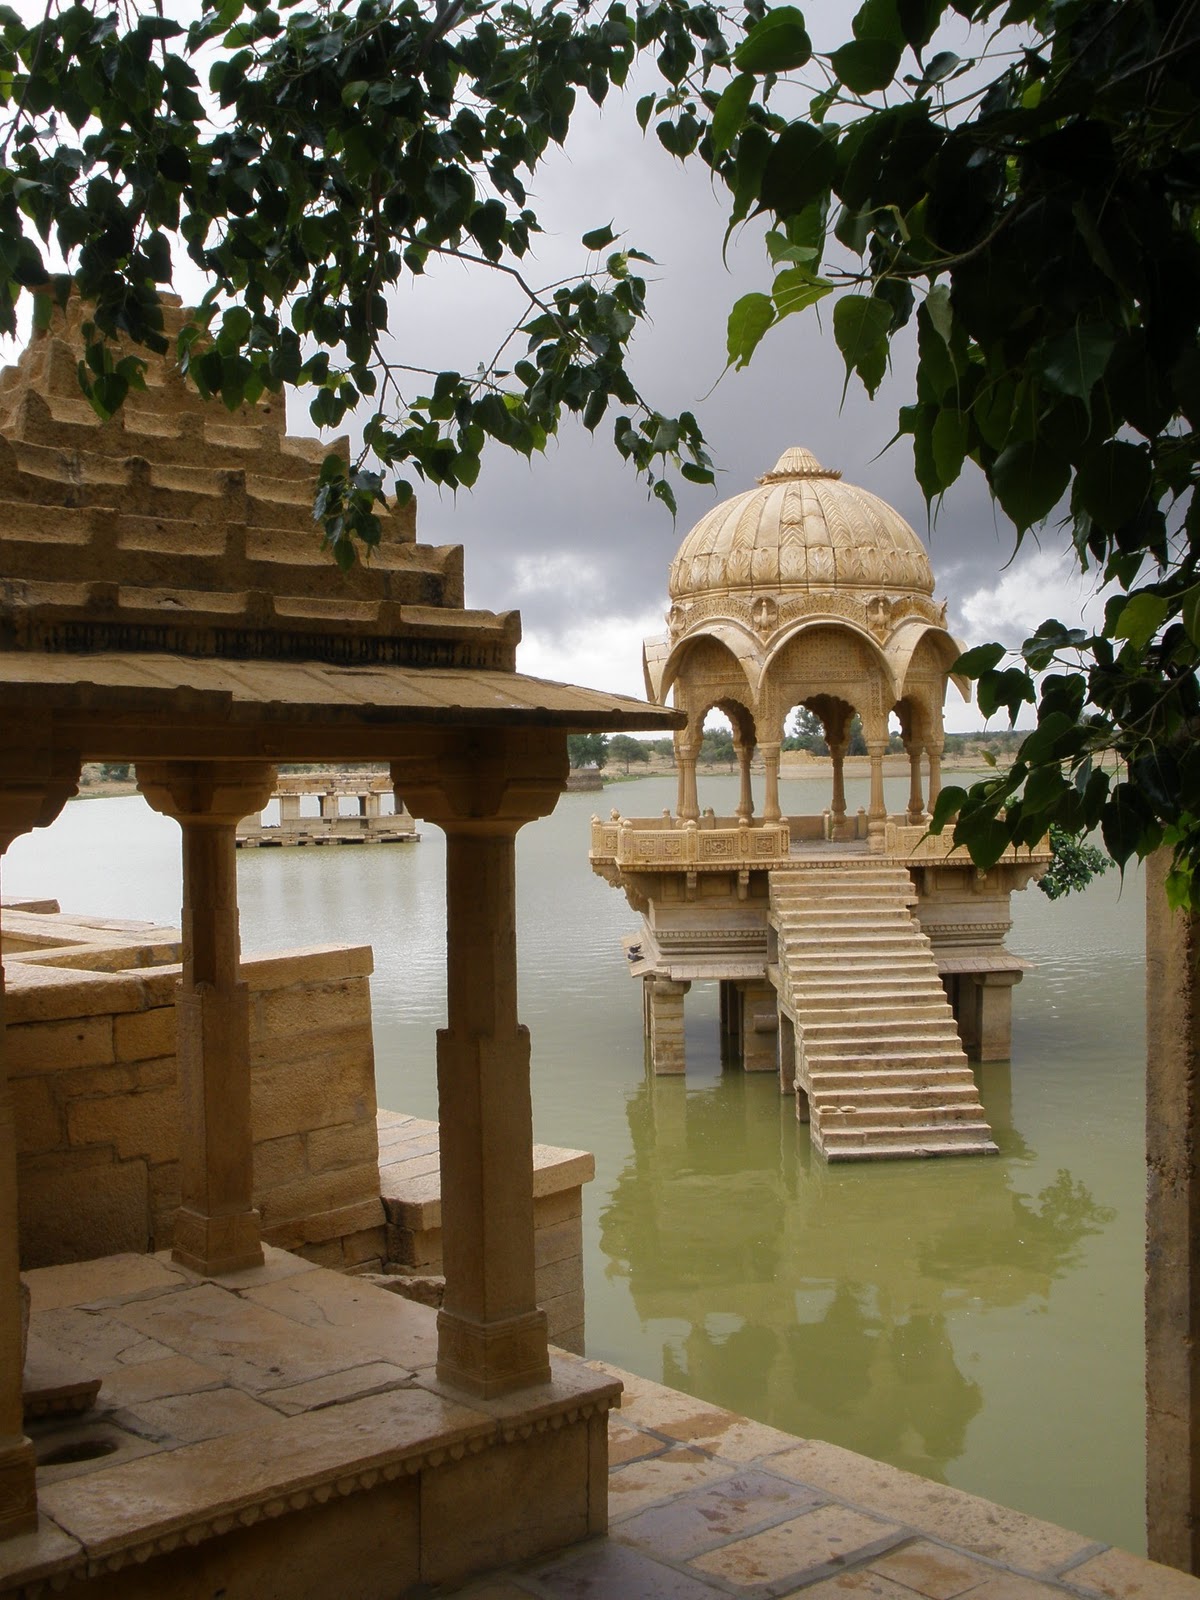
(818, 1061)
(909, 1008)
(833, 1084)
(881, 1132)
(845, 1113)
(899, 1150)
(883, 1035)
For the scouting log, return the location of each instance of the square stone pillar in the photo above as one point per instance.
(1172, 1226)
(760, 1027)
(987, 1030)
(33, 788)
(668, 1052)
(787, 1055)
(289, 808)
(216, 1226)
(480, 787)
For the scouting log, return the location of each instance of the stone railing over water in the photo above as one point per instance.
(911, 841)
(664, 844)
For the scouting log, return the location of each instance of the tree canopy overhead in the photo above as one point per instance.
(1031, 208)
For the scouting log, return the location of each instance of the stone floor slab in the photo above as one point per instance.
(861, 1584)
(713, 1515)
(606, 1571)
(1119, 1576)
(660, 1478)
(188, 1418)
(774, 1561)
(256, 1347)
(630, 1444)
(977, 1526)
(219, 1477)
(376, 1377)
(154, 1380)
(401, 1330)
(931, 1571)
(81, 1283)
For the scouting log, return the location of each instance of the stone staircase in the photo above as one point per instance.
(877, 1049)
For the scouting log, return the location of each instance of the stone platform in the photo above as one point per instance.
(280, 1434)
(704, 1504)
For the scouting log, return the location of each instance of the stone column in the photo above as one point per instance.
(933, 750)
(330, 806)
(770, 755)
(687, 808)
(1172, 1226)
(289, 808)
(916, 801)
(480, 787)
(787, 1054)
(837, 752)
(760, 1026)
(668, 1052)
(877, 809)
(369, 803)
(216, 1227)
(32, 792)
(993, 1016)
(745, 806)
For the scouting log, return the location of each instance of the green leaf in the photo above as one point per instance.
(860, 328)
(599, 238)
(1075, 361)
(1191, 613)
(750, 318)
(1140, 618)
(779, 42)
(798, 170)
(730, 112)
(951, 433)
(865, 65)
(1029, 482)
(937, 307)
(947, 805)
(795, 289)
(1114, 482)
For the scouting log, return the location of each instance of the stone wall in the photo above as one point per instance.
(91, 1059)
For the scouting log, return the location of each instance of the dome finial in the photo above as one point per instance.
(798, 463)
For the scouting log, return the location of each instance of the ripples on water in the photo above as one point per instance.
(977, 1321)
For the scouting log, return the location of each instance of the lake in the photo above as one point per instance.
(978, 1321)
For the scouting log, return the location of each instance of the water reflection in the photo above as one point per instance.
(816, 1295)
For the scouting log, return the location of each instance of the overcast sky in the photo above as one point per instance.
(571, 538)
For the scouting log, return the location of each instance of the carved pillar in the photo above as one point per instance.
(1172, 1226)
(877, 809)
(480, 787)
(216, 1227)
(744, 750)
(33, 789)
(837, 752)
(933, 749)
(688, 807)
(916, 801)
(770, 755)
(668, 1052)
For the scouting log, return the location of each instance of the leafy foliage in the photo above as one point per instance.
(1030, 211)
(307, 160)
(1074, 866)
(1033, 211)
(587, 750)
(623, 747)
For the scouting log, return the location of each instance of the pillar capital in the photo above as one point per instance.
(214, 792)
(36, 781)
(481, 780)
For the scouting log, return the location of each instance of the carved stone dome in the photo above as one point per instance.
(802, 529)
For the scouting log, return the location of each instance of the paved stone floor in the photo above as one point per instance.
(705, 1503)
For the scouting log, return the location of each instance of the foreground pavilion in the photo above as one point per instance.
(164, 600)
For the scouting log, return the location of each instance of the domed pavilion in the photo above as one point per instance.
(806, 591)
(858, 955)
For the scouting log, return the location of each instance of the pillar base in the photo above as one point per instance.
(215, 1245)
(18, 1492)
(492, 1358)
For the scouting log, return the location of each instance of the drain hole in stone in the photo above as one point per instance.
(81, 1450)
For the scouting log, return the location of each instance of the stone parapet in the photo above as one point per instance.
(653, 844)
(92, 1061)
(411, 1189)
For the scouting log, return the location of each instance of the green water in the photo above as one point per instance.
(977, 1321)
